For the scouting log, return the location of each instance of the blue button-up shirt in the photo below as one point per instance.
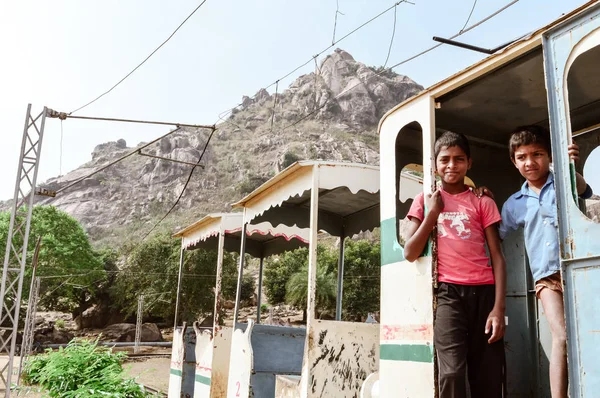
(537, 215)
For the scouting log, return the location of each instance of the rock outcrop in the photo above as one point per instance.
(328, 115)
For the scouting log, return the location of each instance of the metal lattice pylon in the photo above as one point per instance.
(16, 242)
(28, 334)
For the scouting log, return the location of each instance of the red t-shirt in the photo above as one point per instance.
(462, 258)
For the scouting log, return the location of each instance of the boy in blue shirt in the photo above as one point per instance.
(533, 207)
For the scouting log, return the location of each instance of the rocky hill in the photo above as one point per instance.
(125, 200)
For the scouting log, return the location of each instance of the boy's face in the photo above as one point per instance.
(452, 164)
(533, 162)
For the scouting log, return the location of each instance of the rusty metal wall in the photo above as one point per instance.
(340, 357)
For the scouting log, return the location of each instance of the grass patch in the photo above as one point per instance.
(82, 369)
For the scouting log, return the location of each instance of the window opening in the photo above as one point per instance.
(583, 88)
(409, 173)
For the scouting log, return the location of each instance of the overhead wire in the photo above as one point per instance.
(337, 12)
(222, 114)
(317, 108)
(392, 39)
(274, 105)
(102, 168)
(184, 187)
(143, 62)
(61, 150)
(345, 92)
(469, 17)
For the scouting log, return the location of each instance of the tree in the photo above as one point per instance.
(152, 269)
(297, 291)
(279, 269)
(229, 284)
(362, 271)
(65, 250)
(361, 278)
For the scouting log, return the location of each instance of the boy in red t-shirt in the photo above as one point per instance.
(469, 318)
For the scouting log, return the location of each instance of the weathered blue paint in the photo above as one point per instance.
(276, 350)
(580, 245)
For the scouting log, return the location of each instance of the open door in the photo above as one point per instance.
(572, 62)
(406, 366)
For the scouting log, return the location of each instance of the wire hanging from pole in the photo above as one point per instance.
(184, 187)
(469, 17)
(337, 11)
(61, 149)
(222, 114)
(392, 39)
(274, 105)
(402, 62)
(141, 63)
(317, 72)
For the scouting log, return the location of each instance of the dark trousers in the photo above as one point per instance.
(461, 343)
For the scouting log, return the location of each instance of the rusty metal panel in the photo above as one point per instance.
(204, 355)
(340, 357)
(183, 363)
(220, 362)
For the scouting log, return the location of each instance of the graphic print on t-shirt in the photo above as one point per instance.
(454, 220)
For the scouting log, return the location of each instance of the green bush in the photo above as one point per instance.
(60, 323)
(82, 369)
(289, 158)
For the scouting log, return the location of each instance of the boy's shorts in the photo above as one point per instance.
(552, 282)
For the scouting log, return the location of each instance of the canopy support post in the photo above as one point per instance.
(219, 282)
(179, 278)
(259, 295)
(312, 274)
(238, 294)
(340, 279)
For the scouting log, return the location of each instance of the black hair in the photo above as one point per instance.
(527, 135)
(450, 139)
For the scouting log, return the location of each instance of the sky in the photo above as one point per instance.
(63, 53)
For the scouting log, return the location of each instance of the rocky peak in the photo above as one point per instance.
(108, 148)
(343, 90)
(330, 115)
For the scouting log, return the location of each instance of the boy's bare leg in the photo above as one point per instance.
(552, 302)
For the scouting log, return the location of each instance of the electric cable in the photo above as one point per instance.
(469, 17)
(222, 114)
(61, 149)
(400, 63)
(392, 39)
(143, 62)
(184, 187)
(274, 105)
(337, 11)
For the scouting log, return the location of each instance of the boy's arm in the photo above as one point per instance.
(419, 231)
(582, 187)
(495, 322)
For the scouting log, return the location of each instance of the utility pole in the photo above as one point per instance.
(138, 324)
(17, 239)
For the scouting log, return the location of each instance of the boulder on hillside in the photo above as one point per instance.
(119, 332)
(49, 334)
(97, 317)
(151, 332)
(125, 332)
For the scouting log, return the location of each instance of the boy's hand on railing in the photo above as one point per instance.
(495, 325)
(574, 152)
